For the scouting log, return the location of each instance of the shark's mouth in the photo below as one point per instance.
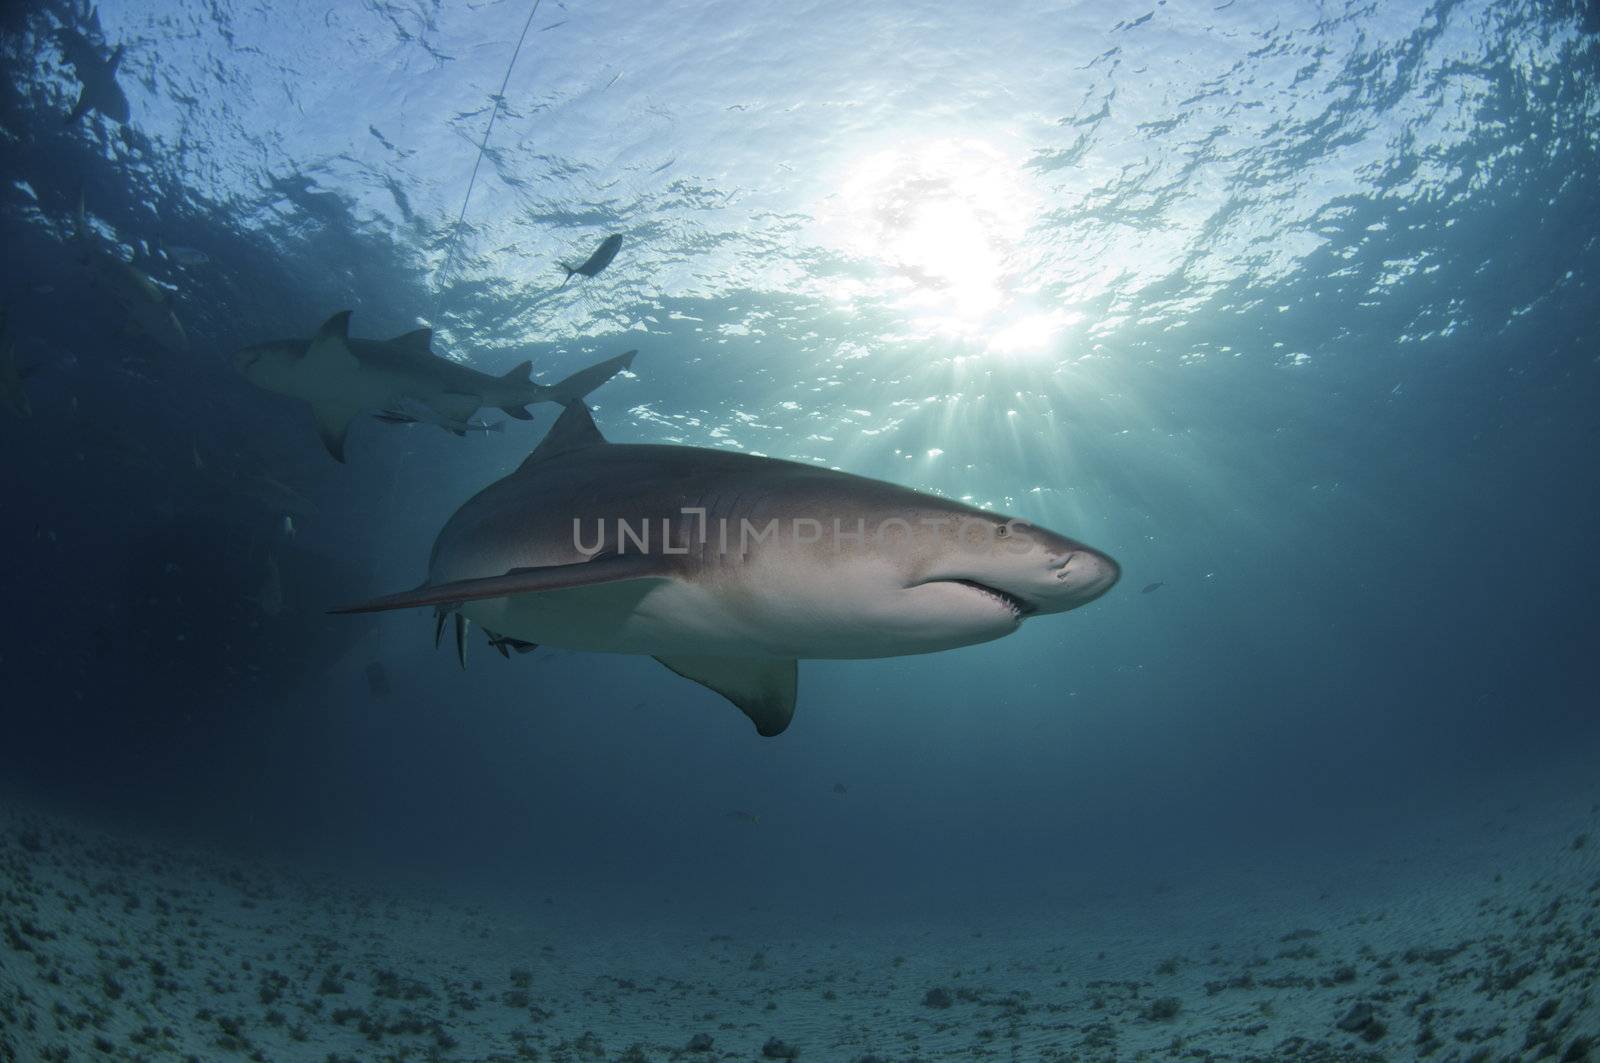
(1019, 606)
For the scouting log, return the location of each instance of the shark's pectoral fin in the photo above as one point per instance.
(763, 688)
(334, 424)
(613, 569)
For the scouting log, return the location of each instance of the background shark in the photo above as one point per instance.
(97, 77)
(748, 570)
(341, 378)
(416, 413)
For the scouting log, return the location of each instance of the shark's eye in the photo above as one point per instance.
(1002, 531)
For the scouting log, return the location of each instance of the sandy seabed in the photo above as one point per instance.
(1479, 943)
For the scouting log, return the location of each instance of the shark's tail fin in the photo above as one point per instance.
(517, 378)
(577, 386)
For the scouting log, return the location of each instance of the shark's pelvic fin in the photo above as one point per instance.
(575, 428)
(612, 569)
(763, 688)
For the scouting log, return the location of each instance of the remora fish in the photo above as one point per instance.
(146, 305)
(596, 262)
(415, 413)
(728, 568)
(342, 377)
(97, 77)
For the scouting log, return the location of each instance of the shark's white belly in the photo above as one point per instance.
(796, 614)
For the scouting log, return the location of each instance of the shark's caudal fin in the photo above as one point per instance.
(577, 386)
(613, 569)
(764, 689)
(572, 389)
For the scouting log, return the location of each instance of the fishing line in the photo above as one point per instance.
(483, 146)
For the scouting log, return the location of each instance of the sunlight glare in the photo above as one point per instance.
(942, 219)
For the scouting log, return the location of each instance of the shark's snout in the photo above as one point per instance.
(1085, 574)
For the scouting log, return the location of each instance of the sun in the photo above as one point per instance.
(943, 221)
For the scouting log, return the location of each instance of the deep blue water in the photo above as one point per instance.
(1291, 308)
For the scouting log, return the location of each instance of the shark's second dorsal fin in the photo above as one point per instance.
(573, 430)
(419, 341)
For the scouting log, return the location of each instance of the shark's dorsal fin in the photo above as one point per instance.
(329, 350)
(573, 430)
(419, 341)
(764, 688)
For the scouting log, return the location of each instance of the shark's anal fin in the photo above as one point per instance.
(764, 688)
(575, 428)
(611, 569)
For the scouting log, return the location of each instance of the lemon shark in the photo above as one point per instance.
(341, 378)
(97, 77)
(728, 568)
